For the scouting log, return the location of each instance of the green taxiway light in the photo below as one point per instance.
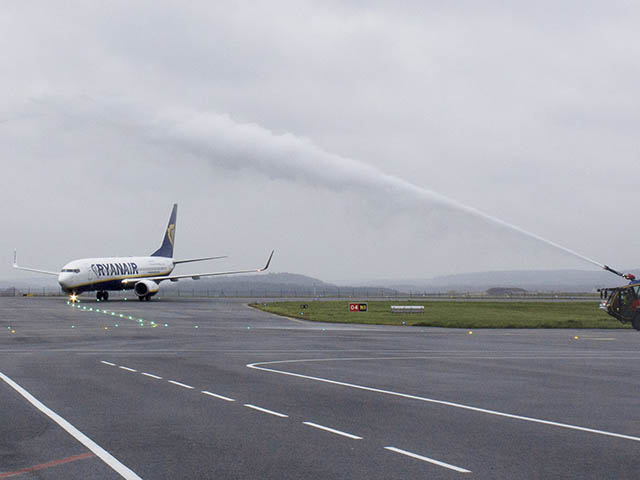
(116, 324)
(196, 326)
(73, 326)
(166, 325)
(121, 315)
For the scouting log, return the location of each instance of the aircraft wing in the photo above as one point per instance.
(197, 276)
(15, 265)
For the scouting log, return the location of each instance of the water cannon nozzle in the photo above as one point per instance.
(609, 269)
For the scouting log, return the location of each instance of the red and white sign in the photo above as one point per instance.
(357, 307)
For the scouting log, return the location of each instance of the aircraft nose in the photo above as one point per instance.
(63, 279)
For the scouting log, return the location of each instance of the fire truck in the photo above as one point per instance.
(623, 302)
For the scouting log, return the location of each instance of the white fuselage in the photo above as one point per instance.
(107, 273)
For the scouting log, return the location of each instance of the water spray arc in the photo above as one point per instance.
(232, 145)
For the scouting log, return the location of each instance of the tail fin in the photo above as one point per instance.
(166, 249)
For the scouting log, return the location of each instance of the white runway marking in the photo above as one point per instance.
(127, 369)
(218, 396)
(105, 456)
(151, 375)
(264, 410)
(432, 400)
(108, 363)
(180, 384)
(427, 459)
(332, 430)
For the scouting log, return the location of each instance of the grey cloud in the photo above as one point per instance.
(526, 111)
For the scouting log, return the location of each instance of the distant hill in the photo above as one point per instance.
(500, 291)
(275, 284)
(531, 280)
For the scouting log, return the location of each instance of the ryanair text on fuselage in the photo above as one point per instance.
(112, 269)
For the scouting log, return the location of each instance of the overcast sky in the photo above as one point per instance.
(334, 132)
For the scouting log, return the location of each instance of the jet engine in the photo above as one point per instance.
(146, 288)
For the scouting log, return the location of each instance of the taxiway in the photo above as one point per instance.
(202, 388)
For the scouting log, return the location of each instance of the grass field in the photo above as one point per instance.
(482, 314)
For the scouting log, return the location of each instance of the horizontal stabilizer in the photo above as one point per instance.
(175, 262)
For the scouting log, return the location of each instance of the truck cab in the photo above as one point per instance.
(622, 303)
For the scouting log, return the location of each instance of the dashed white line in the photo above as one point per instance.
(127, 369)
(180, 384)
(211, 394)
(108, 363)
(427, 459)
(333, 430)
(105, 456)
(568, 426)
(264, 410)
(151, 375)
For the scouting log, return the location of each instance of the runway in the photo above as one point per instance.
(203, 388)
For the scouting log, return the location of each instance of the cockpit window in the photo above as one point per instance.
(70, 270)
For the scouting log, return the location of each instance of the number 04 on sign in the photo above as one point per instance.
(357, 307)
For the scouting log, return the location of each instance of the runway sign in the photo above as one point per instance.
(357, 307)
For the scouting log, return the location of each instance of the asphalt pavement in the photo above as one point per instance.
(211, 388)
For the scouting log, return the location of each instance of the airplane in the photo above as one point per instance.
(140, 274)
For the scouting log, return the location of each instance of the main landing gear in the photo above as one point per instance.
(102, 296)
(145, 297)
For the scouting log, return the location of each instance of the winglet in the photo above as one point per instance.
(268, 262)
(15, 265)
